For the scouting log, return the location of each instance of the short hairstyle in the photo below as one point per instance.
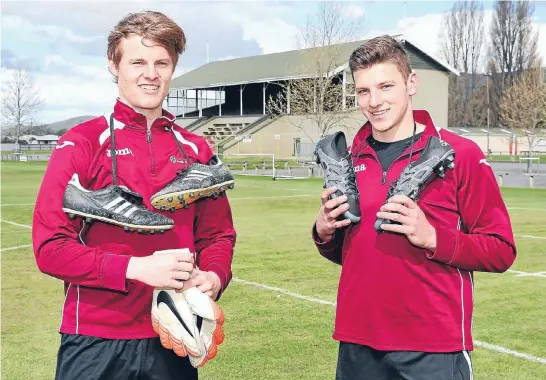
(153, 26)
(380, 50)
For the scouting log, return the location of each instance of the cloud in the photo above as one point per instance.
(59, 65)
(353, 11)
(64, 43)
(226, 37)
(259, 20)
(9, 60)
(33, 39)
(424, 31)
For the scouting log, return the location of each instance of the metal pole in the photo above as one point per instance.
(241, 98)
(487, 86)
(263, 97)
(344, 103)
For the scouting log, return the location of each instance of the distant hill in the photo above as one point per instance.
(46, 129)
(67, 124)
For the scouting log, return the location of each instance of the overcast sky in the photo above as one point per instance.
(64, 43)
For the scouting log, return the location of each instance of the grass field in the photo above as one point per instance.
(271, 334)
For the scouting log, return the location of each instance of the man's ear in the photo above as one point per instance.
(112, 68)
(413, 83)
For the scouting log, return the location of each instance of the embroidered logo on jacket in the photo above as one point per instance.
(175, 160)
(484, 161)
(120, 152)
(65, 143)
(359, 168)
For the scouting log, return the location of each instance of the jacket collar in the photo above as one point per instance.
(360, 144)
(127, 115)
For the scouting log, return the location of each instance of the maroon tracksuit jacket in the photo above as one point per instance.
(99, 301)
(395, 296)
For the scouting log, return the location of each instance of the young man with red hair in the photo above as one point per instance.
(119, 166)
(409, 246)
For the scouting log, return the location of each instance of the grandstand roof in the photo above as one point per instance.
(481, 131)
(288, 65)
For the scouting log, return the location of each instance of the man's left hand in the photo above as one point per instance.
(413, 222)
(207, 282)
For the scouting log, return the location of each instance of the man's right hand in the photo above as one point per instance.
(330, 210)
(163, 269)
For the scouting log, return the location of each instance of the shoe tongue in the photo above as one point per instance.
(130, 195)
(340, 143)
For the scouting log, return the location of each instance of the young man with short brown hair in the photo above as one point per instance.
(110, 275)
(405, 299)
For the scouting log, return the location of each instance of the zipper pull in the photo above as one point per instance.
(384, 178)
(149, 138)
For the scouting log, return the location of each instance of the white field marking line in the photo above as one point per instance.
(519, 273)
(526, 208)
(276, 188)
(530, 237)
(523, 355)
(280, 196)
(288, 293)
(275, 197)
(231, 198)
(13, 248)
(16, 224)
(478, 343)
(283, 196)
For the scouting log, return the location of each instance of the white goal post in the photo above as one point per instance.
(530, 160)
(264, 165)
(250, 163)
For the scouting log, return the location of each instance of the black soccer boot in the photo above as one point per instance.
(115, 205)
(437, 156)
(193, 183)
(332, 155)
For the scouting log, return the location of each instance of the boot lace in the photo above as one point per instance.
(345, 177)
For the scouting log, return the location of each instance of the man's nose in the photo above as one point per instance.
(375, 98)
(151, 72)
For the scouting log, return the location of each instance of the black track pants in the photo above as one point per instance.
(89, 358)
(357, 362)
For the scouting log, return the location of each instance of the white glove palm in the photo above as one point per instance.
(190, 323)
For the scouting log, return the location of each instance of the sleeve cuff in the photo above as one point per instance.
(447, 243)
(321, 245)
(221, 275)
(114, 272)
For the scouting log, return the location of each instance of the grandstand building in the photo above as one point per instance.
(226, 101)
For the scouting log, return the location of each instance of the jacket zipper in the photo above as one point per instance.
(384, 178)
(149, 139)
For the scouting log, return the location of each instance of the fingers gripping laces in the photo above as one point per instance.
(344, 176)
(351, 178)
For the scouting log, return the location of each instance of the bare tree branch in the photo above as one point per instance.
(513, 47)
(461, 45)
(523, 106)
(461, 42)
(21, 101)
(320, 97)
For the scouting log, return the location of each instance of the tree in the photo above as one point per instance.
(512, 50)
(320, 96)
(20, 101)
(461, 45)
(523, 107)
